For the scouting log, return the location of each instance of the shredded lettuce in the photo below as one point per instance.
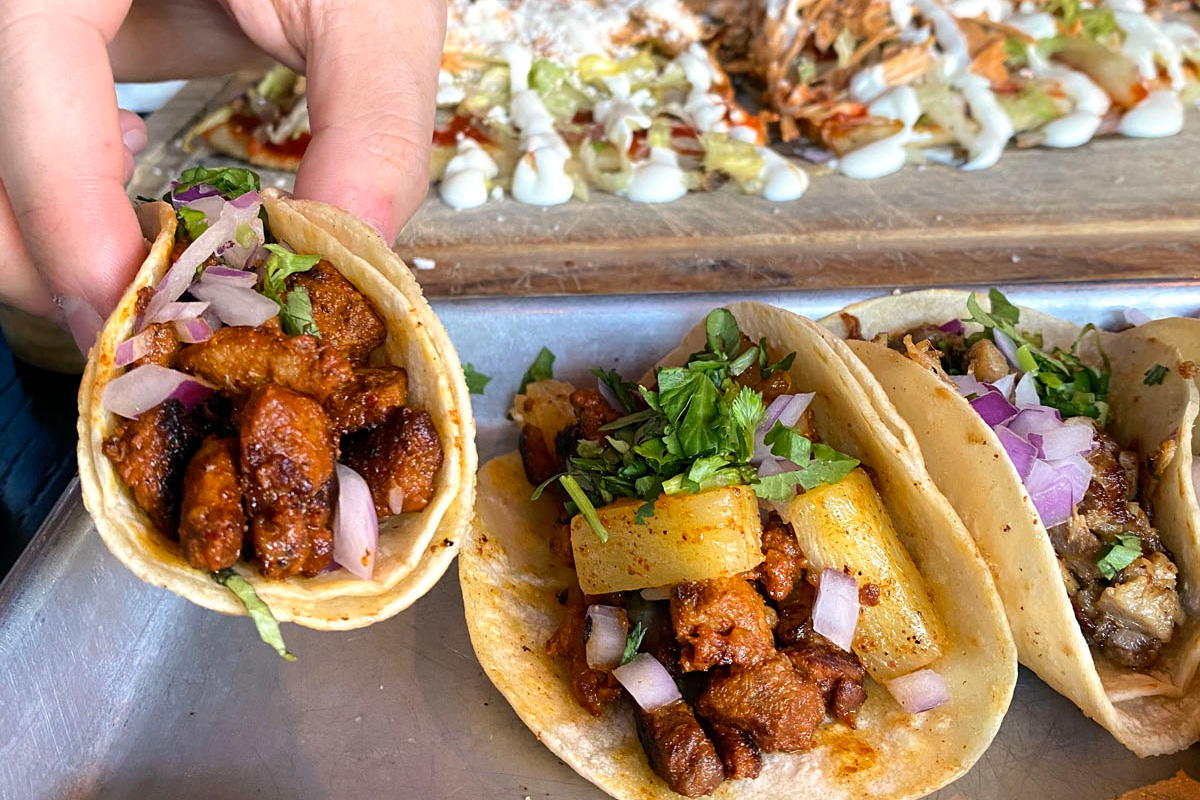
(737, 159)
(264, 621)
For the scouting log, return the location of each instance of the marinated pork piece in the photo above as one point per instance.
(678, 749)
(287, 462)
(238, 358)
(593, 412)
(837, 674)
(770, 701)
(151, 454)
(1145, 598)
(163, 346)
(986, 361)
(400, 457)
(720, 621)
(1109, 506)
(367, 400)
(212, 524)
(343, 315)
(539, 460)
(783, 564)
(795, 614)
(594, 689)
(739, 755)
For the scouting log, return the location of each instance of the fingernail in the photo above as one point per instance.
(134, 140)
(83, 321)
(127, 167)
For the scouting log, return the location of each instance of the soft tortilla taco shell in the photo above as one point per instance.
(413, 549)
(228, 139)
(510, 585)
(1150, 714)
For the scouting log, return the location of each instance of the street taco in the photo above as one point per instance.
(674, 616)
(273, 408)
(1068, 453)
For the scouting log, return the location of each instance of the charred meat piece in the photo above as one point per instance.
(952, 346)
(212, 524)
(659, 639)
(720, 621)
(679, 750)
(238, 358)
(539, 461)
(1108, 506)
(287, 462)
(837, 674)
(986, 362)
(162, 346)
(151, 454)
(1144, 597)
(367, 400)
(783, 562)
(737, 750)
(398, 460)
(593, 412)
(795, 614)
(592, 688)
(770, 701)
(347, 321)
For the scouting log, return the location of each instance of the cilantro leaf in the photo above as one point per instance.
(542, 369)
(623, 390)
(584, 505)
(746, 412)
(231, 182)
(826, 466)
(194, 221)
(722, 333)
(1155, 375)
(1119, 555)
(282, 264)
(260, 612)
(632, 642)
(296, 314)
(476, 380)
(787, 443)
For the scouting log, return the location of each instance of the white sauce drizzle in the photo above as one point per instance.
(541, 179)
(956, 55)
(782, 180)
(705, 111)
(1090, 103)
(658, 179)
(1159, 114)
(1145, 43)
(465, 182)
(887, 155)
(867, 84)
(619, 115)
(448, 91)
(995, 127)
(1038, 24)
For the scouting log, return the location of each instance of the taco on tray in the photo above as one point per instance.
(1068, 454)
(738, 579)
(273, 408)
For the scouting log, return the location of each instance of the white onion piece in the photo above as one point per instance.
(919, 691)
(355, 526)
(248, 238)
(144, 387)
(787, 408)
(968, 385)
(1006, 346)
(396, 499)
(1025, 395)
(209, 206)
(662, 592)
(835, 611)
(229, 276)
(193, 330)
(179, 276)
(131, 349)
(236, 305)
(648, 681)
(772, 465)
(607, 629)
(178, 311)
(1135, 316)
(1005, 385)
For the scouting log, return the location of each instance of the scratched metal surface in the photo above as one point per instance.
(110, 688)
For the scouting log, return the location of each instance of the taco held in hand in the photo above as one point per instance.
(1068, 454)
(735, 579)
(269, 411)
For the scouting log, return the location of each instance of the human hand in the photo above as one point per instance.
(66, 227)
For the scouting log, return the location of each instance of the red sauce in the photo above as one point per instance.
(448, 136)
(292, 148)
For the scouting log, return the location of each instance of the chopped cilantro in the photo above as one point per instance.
(625, 392)
(194, 221)
(476, 380)
(632, 642)
(1119, 555)
(1061, 378)
(231, 182)
(542, 369)
(260, 612)
(282, 264)
(584, 506)
(296, 314)
(1155, 375)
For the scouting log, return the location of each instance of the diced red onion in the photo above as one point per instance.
(772, 465)
(1005, 385)
(954, 326)
(648, 681)
(993, 408)
(83, 322)
(787, 408)
(144, 387)
(179, 276)
(1062, 442)
(193, 193)
(1025, 395)
(1051, 493)
(1006, 345)
(178, 311)
(1021, 453)
(210, 206)
(835, 611)
(131, 349)
(919, 691)
(607, 630)
(1035, 419)
(355, 526)
(193, 330)
(248, 238)
(230, 276)
(1135, 316)
(1078, 473)
(236, 305)
(968, 385)
(658, 593)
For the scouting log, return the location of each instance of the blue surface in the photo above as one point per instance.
(37, 447)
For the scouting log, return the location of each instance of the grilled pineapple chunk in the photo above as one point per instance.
(690, 537)
(844, 525)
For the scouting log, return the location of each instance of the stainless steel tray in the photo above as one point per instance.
(110, 688)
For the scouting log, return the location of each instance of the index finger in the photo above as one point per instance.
(61, 156)
(372, 88)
